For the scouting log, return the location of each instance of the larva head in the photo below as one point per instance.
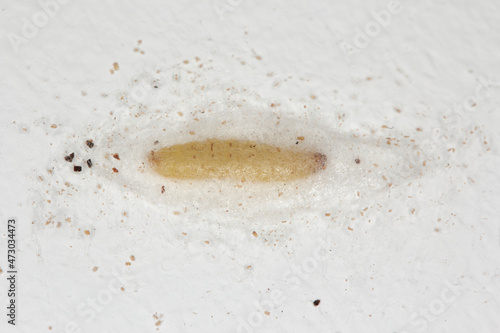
(320, 161)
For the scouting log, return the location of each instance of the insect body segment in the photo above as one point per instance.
(235, 159)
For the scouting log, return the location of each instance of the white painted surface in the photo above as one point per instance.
(394, 84)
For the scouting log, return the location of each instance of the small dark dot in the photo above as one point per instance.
(316, 302)
(90, 143)
(157, 142)
(77, 168)
(357, 161)
(89, 163)
(155, 87)
(297, 143)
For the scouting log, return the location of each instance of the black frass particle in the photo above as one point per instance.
(77, 168)
(89, 163)
(70, 157)
(90, 143)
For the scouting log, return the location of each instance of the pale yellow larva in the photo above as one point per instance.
(235, 159)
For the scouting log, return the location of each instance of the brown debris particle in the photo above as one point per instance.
(116, 156)
(316, 302)
(90, 143)
(357, 161)
(87, 232)
(163, 189)
(116, 66)
(255, 234)
(95, 269)
(70, 157)
(301, 138)
(115, 170)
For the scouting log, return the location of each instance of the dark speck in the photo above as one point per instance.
(70, 157)
(90, 143)
(357, 161)
(77, 168)
(297, 143)
(89, 163)
(316, 302)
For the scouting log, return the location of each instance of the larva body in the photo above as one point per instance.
(235, 159)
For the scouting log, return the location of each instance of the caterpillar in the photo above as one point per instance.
(236, 160)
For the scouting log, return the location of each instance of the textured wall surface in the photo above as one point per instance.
(400, 232)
